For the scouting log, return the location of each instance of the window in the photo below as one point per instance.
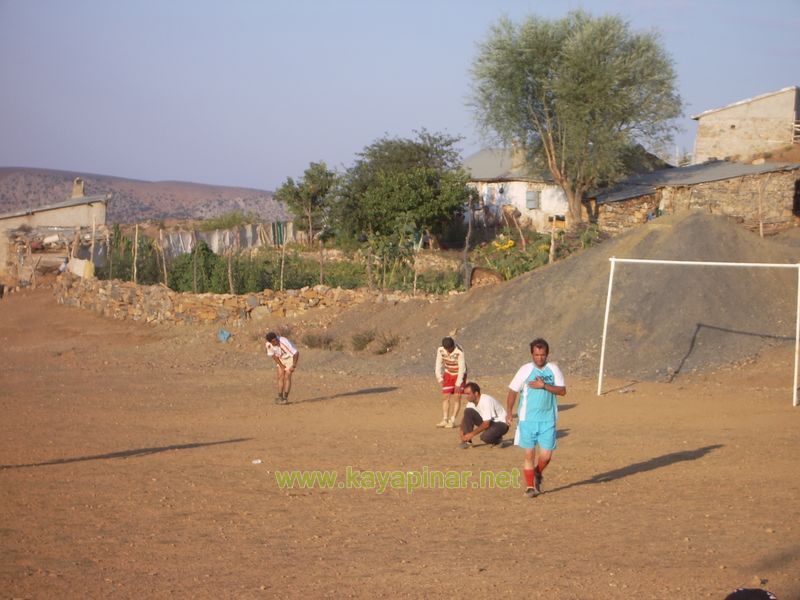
(532, 199)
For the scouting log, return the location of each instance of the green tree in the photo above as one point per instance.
(308, 198)
(396, 188)
(397, 180)
(575, 94)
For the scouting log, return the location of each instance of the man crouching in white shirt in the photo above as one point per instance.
(483, 415)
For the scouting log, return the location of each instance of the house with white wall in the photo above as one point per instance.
(502, 178)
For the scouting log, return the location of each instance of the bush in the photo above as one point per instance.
(385, 342)
(229, 220)
(361, 340)
(322, 340)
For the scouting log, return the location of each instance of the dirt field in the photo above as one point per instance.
(126, 470)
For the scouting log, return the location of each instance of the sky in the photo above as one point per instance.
(248, 93)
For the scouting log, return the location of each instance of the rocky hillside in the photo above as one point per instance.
(133, 200)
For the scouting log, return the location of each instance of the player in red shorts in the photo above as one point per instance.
(451, 372)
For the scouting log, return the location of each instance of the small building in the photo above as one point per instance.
(766, 195)
(24, 230)
(749, 127)
(503, 179)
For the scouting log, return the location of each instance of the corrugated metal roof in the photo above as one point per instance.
(66, 204)
(495, 164)
(746, 101)
(641, 185)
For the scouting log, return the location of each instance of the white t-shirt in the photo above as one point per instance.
(284, 350)
(489, 408)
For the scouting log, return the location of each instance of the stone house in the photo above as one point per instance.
(503, 180)
(766, 194)
(54, 225)
(753, 126)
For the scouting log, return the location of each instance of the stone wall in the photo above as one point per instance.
(768, 197)
(747, 128)
(159, 304)
(615, 217)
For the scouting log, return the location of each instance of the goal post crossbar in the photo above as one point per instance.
(692, 263)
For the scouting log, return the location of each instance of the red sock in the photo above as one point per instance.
(528, 473)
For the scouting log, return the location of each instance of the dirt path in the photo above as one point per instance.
(126, 470)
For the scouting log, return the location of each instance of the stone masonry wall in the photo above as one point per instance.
(770, 194)
(615, 217)
(157, 303)
(768, 197)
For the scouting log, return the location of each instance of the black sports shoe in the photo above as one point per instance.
(531, 492)
(537, 481)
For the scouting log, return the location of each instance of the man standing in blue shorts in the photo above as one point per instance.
(537, 384)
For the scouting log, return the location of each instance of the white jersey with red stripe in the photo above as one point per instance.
(451, 362)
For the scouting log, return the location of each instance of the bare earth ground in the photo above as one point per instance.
(126, 470)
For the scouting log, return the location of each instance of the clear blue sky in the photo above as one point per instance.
(250, 92)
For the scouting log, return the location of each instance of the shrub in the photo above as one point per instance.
(322, 340)
(229, 220)
(361, 340)
(385, 342)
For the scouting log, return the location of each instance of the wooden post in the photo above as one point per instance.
(135, 250)
(94, 229)
(761, 191)
(194, 261)
(110, 254)
(230, 271)
(33, 274)
(163, 255)
(283, 257)
(552, 257)
(321, 259)
(369, 268)
(75, 242)
(466, 244)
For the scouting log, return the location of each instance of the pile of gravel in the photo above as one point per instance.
(666, 320)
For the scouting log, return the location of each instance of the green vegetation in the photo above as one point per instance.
(575, 94)
(229, 220)
(310, 197)
(507, 256)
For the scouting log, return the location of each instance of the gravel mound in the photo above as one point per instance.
(665, 320)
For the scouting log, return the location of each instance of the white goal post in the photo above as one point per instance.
(691, 263)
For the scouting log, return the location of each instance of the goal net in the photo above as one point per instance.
(685, 263)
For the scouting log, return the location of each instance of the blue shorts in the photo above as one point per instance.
(529, 433)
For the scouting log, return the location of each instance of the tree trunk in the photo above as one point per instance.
(574, 213)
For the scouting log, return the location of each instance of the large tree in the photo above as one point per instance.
(396, 180)
(575, 94)
(308, 198)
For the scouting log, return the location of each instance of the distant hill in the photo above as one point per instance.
(133, 200)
